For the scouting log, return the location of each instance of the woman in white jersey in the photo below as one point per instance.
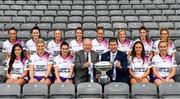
(100, 44)
(17, 66)
(139, 68)
(76, 44)
(164, 36)
(164, 65)
(63, 65)
(147, 42)
(31, 44)
(124, 43)
(54, 45)
(40, 65)
(8, 44)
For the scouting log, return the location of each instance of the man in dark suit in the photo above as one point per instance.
(83, 60)
(119, 60)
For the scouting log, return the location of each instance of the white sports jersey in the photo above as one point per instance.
(147, 46)
(54, 48)
(100, 47)
(40, 63)
(31, 46)
(126, 46)
(171, 48)
(163, 66)
(18, 67)
(7, 45)
(75, 46)
(138, 67)
(64, 65)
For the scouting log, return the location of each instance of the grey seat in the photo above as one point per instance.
(102, 12)
(158, 2)
(61, 26)
(89, 7)
(168, 12)
(65, 7)
(9, 25)
(177, 25)
(101, 7)
(77, 7)
(4, 7)
(89, 26)
(69, 34)
(55, 2)
(89, 2)
(75, 19)
(174, 18)
(174, 34)
(63, 13)
(177, 57)
(28, 7)
(76, 13)
(37, 90)
(10, 91)
(162, 7)
(32, 2)
(125, 7)
(8, 2)
(135, 34)
(169, 1)
(50, 13)
(100, 2)
(115, 12)
(20, 2)
(16, 7)
(155, 12)
(41, 7)
(89, 33)
(44, 34)
(73, 25)
(144, 2)
(112, 2)
(116, 90)
(103, 19)
(154, 34)
(137, 7)
(47, 19)
(145, 18)
(44, 2)
(177, 44)
(144, 91)
(24, 13)
(66, 2)
(10, 13)
(27, 26)
(33, 19)
(106, 25)
(18, 19)
(134, 25)
(89, 19)
(160, 19)
(108, 33)
(168, 25)
(4, 35)
(124, 2)
(131, 19)
(169, 90)
(117, 19)
(135, 2)
(177, 76)
(23, 35)
(44, 26)
(2, 70)
(90, 90)
(4, 19)
(78, 2)
(119, 25)
(53, 7)
(62, 19)
(37, 13)
(128, 12)
(142, 12)
(1, 26)
(113, 7)
(151, 25)
(89, 13)
(63, 90)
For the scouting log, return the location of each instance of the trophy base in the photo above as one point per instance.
(104, 79)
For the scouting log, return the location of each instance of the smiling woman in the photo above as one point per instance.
(17, 67)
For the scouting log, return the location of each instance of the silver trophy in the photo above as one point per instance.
(103, 67)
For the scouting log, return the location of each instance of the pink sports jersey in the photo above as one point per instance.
(100, 47)
(138, 67)
(163, 66)
(40, 63)
(54, 48)
(18, 67)
(126, 46)
(75, 46)
(171, 48)
(63, 65)
(7, 45)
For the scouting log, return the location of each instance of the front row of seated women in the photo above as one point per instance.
(39, 68)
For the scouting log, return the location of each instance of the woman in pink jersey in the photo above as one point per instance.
(164, 65)
(139, 68)
(63, 65)
(17, 66)
(40, 65)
